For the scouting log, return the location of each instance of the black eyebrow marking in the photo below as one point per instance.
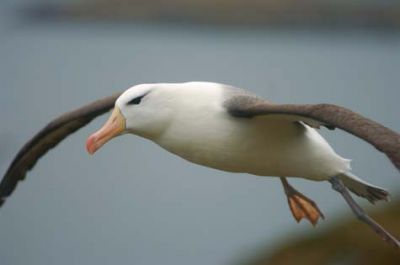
(136, 100)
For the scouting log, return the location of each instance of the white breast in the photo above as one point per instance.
(204, 133)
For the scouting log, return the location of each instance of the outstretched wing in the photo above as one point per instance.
(47, 138)
(328, 115)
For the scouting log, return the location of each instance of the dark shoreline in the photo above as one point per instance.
(311, 17)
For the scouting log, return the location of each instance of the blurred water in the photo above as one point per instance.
(135, 203)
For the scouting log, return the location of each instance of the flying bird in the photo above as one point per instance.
(230, 129)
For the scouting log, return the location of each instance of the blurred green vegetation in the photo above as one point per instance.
(350, 242)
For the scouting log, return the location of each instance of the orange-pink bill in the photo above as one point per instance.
(114, 126)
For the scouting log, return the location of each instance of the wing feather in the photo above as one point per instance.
(331, 116)
(47, 138)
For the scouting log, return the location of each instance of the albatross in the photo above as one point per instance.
(230, 129)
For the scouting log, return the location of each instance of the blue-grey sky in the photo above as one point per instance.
(134, 203)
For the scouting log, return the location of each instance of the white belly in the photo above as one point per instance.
(263, 146)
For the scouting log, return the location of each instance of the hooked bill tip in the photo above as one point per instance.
(91, 144)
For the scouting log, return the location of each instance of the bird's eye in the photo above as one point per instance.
(136, 100)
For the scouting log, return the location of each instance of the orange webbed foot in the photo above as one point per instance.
(301, 206)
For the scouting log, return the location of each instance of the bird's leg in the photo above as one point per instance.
(338, 186)
(301, 206)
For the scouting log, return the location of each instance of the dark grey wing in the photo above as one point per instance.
(47, 138)
(331, 116)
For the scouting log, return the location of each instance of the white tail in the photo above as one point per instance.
(361, 188)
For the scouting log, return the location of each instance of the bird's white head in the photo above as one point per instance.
(141, 110)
